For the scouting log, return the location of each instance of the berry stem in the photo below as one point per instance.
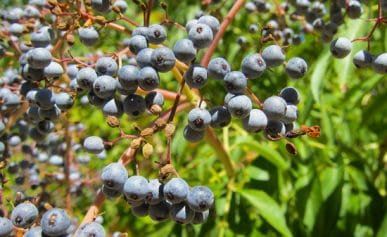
(223, 26)
(149, 7)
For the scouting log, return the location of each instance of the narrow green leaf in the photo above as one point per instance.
(268, 209)
(319, 73)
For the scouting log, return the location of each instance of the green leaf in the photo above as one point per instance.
(319, 74)
(268, 209)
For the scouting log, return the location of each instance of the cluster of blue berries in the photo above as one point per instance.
(53, 223)
(173, 200)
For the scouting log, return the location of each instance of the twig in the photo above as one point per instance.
(223, 26)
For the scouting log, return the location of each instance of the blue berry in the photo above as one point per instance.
(137, 43)
(154, 98)
(39, 58)
(156, 190)
(176, 190)
(362, 59)
(199, 119)
(255, 122)
(114, 176)
(104, 86)
(136, 188)
(33, 232)
(134, 105)
(201, 35)
(296, 67)
(239, 106)
(196, 76)
(192, 135)
(273, 56)
(113, 107)
(160, 211)
(128, 76)
(341, 47)
(235, 82)
(100, 5)
(220, 117)
(24, 215)
(143, 57)
(45, 98)
(63, 100)
(218, 68)
(156, 34)
(274, 107)
(379, 63)
(93, 229)
(86, 77)
(253, 65)
(163, 59)
(55, 222)
(211, 21)
(53, 70)
(88, 35)
(181, 213)
(106, 66)
(184, 50)
(93, 144)
(141, 210)
(200, 198)
(148, 78)
(200, 217)
(290, 95)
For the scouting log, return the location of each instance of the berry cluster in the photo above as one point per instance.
(174, 199)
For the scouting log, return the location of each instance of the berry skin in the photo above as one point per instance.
(63, 100)
(134, 105)
(104, 87)
(199, 119)
(296, 67)
(163, 59)
(137, 43)
(45, 98)
(33, 232)
(136, 188)
(253, 66)
(121, 4)
(274, 107)
(128, 77)
(218, 68)
(86, 77)
(93, 144)
(114, 176)
(196, 76)
(88, 35)
(55, 222)
(148, 78)
(362, 59)
(40, 38)
(100, 5)
(290, 95)
(184, 50)
(156, 34)
(156, 190)
(113, 107)
(255, 122)
(200, 198)
(290, 115)
(192, 135)
(201, 35)
(92, 229)
(106, 66)
(379, 64)
(341, 47)
(273, 55)
(154, 98)
(24, 215)
(275, 128)
(200, 217)
(239, 106)
(235, 82)
(211, 21)
(53, 70)
(220, 117)
(111, 193)
(354, 9)
(140, 211)
(176, 190)
(160, 211)
(181, 213)
(190, 24)
(140, 30)
(39, 58)
(143, 57)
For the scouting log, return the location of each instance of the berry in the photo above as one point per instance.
(143, 57)
(200, 198)
(39, 58)
(88, 35)
(211, 21)
(253, 65)
(341, 47)
(235, 82)
(63, 100)
(239, 106)
(176, 190)
(296, 67)
(290, 95)
(45, 99)
(184, 50)
(362, 59)
(148, 78)
(220, 117)
(106, 66)
(134, 105)
(100, 5)
(114, 176)
(196, 76)
(290, 115)
(104, 87)
(199, 119)
(93, 144)
(255, 122)
(128, 76)
(111, 193)
(140, 211)
(163, 59)
(154, 98)
(274, 107)
(113, 107)
(156, 34)
(273, 55)
(92, 229)
(137, 43)
(379, 64)
(53, 70)
(275, 128)
(33, 232)
(192, 135)
(354, 9)
(181, 213)
(24, 215)
(160, 211)
(200, 217)
(218, 68)
(201, 35)
(55, 222)
(190, 24)
(156, 190)
(136, 188)
(86, 77)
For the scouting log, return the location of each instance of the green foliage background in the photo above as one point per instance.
(334, 186)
